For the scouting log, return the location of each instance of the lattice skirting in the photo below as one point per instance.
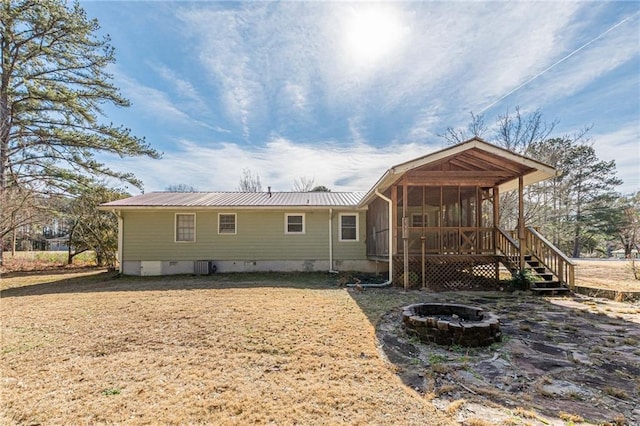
(451, 272)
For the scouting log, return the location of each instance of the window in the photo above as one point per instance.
(294, 223)
(417, 220)
(226, 223)
(185, 227)
(348, 227)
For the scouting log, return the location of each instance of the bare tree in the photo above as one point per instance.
(514, 131)
(476, 128)
(303, 184)
(181, 187)
(517, 132)
(249, 182)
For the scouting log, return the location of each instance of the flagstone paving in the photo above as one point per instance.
(559, 357)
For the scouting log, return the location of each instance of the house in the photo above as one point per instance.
(620, 254)
(58, 243)
(170, 233)
(429, 221)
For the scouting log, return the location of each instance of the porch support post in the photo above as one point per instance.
(405, 231)
(521, 220)
(390, 233)
(394, 220)
(480, 247)
(496, 219)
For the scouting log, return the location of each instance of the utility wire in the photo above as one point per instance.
(558, 62)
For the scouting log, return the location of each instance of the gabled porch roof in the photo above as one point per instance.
(474, 162)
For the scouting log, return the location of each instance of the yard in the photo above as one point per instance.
(96, 349)
(84, 346)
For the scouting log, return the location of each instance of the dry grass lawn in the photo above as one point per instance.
(93, 349)
(607, 274)
(79, 346)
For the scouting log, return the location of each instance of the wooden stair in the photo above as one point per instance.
(544, 282)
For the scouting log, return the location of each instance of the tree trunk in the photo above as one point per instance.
(13, 243)
(69, 250)
(576, 242)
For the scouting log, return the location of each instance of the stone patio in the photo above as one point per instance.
(571, 356)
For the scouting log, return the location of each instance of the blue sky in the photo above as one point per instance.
(339, 92)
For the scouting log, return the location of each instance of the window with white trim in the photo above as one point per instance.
(294, 223)
(348, 227)
(417, 220)
(226, 223)
(185, 227)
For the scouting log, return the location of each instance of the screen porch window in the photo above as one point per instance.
(294, 223)
(185, 227)
(348, 227)
(227, 223)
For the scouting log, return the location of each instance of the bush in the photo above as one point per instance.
(521, 280)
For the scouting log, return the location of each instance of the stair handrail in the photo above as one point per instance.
(550, 256)
(509, 247)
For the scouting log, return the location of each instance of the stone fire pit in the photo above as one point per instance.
(451, 324)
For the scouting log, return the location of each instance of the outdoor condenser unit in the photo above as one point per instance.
(204, 267)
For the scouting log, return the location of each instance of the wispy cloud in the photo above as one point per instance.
(219, 168)
(183, 89)
(461, 56)
(154, 103)
(298, 80)
(623, 147)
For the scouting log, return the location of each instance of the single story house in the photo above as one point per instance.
(429, 219)
(58, 243)
(620, 254)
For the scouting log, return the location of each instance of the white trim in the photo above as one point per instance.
(235, 223)
(540, 171)
(390, 250)
(119, 254)
(286, 224)
(331, 240)
(175, 228)
(357, 216)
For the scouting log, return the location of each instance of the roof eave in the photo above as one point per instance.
(541, 171)
(528, 179)
(303, 207)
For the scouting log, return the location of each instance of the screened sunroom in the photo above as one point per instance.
(435, 219)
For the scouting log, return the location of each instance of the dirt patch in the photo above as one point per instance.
(560, 358)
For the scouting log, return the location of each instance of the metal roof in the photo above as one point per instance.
(239, 199)
(469, 160)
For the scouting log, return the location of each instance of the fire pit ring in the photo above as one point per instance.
(451, 324)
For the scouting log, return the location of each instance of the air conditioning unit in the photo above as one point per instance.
(204, 267)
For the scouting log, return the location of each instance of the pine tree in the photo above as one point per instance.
(52, 88)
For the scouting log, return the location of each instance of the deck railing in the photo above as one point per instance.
(550, 256)
(447, 240)
(508, 247)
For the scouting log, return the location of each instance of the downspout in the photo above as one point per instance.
(331, 242)
(390, 280)
(120, 238)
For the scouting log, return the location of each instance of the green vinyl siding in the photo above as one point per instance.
(260, 235)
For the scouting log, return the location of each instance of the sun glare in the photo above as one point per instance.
(372, 34)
